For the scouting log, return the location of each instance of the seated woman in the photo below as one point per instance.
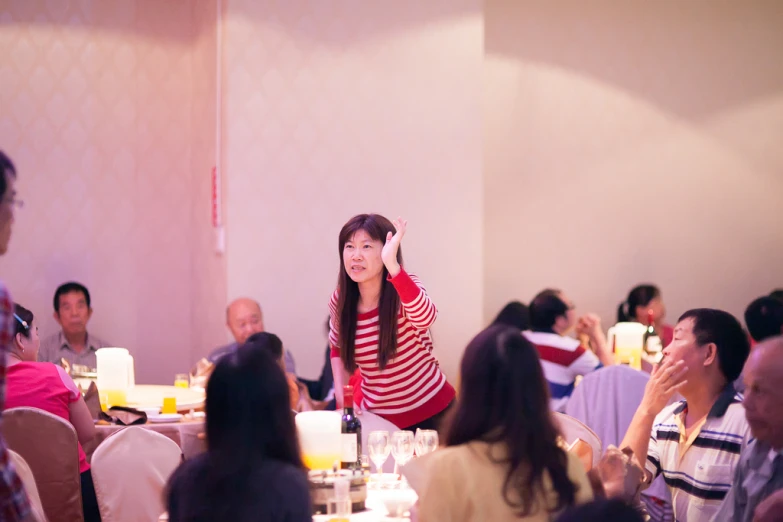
(643, 302)
(503, 461)
(252, 469)
(46, 386)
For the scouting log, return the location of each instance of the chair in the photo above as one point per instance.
(606, 400)
(573, 429)
(372, 422)
(130, 471)
(49, 446)
(28, 480)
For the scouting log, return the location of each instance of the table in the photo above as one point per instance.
(152, 395)
(375, 512)
(185, 433)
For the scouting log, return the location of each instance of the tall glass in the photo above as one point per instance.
(379, 449)
(402, 447)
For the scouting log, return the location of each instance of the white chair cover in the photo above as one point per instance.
(573, 429)
(372, 422)
(606, 400)
(28, 480)
(130, 470)
(49, 446)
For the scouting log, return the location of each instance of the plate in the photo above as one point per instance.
(165, 417)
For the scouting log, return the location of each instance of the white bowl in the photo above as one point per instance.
(398, 501)
(151, 412)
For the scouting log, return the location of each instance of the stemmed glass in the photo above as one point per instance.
(402, 445)
(426, 442)
(379, 449)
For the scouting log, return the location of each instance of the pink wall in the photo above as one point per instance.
(633, 142)
(338, 108)
(103, 109)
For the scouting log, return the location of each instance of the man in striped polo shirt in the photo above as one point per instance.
(695, 443)
(564, 358)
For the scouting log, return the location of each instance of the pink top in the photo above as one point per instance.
(45, 386)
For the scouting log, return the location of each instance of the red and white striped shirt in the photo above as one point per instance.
(411, 388)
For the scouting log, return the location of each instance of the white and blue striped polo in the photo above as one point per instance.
(699, 470)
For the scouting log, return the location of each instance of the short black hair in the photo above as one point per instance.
(6, 166)
(544, 310)
(777, 293)
(67, 288)
(514, 314)
(764, 318)
(268, 342)
(725, 331)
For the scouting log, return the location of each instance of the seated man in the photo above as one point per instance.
(72, 311)
(760, 470)
(764, 318)
(695, 443)
(244, 318)
(564, 358)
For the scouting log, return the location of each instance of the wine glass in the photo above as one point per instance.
(379, 449)
(402, 443)
(426, 441)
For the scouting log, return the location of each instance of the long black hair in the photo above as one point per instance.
(248, 422)
(639, 296)
(514, 314)
(376, 226)
(504, 398)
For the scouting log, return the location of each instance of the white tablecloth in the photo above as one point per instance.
(375, 512)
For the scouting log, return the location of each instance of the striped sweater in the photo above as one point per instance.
(411, 388)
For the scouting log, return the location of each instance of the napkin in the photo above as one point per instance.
(93, 401)
(124, 416)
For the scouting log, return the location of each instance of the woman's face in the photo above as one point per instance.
(29, 345)
(362, 257)
(658, 311)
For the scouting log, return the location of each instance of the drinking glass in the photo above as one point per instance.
(181, 380)
(426, 442)
(402, 444)
(379, 449)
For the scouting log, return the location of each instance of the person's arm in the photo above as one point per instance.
(79, 413)
(417, 305)
(590, 325)
(770, 508)
(664, 382)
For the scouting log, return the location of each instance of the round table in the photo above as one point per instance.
(185, 433)
(152, 395)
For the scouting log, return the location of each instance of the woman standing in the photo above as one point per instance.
(380, 320)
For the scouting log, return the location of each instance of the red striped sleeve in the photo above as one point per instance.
(557, 356)
(416, 304)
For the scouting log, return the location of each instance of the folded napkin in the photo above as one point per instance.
(93, 401)
(199, 375)
(124, 416)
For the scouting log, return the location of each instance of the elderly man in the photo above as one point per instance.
(695, 443)
(244, 318)
(760, 470)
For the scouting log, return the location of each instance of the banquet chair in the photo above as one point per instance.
(606, 400)
(28, 481)
(49, 446)
(573, 429)
(372, 422)
(130, 470)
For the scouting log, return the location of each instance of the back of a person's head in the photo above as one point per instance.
(725, 331)
(764, 318)
(640, 295)
(602, 510)
(267, 342)
(777, 293)
(544, 310)
(247, 406)
(504, 399)
(514, 314)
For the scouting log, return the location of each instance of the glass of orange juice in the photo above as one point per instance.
(181, 380)
(169, 405)
(116, 398)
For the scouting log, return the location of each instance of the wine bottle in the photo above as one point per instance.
(351, 434)
(652, 341)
